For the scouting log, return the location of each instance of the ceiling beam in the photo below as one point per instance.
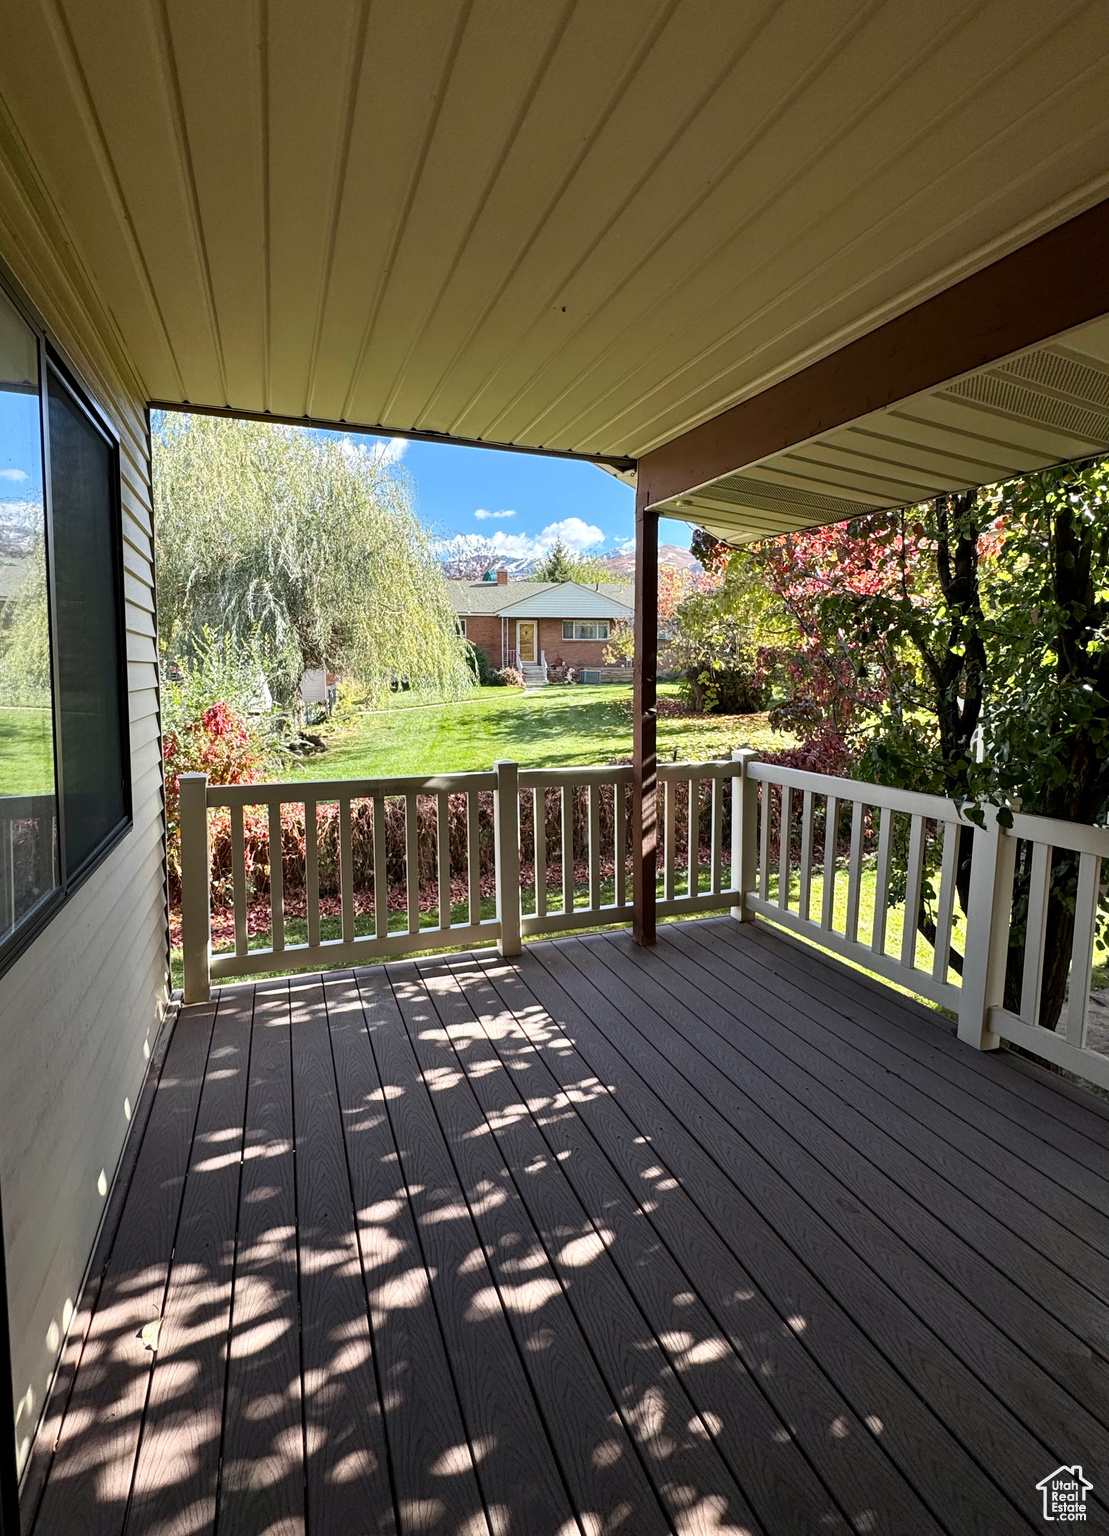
(617, 463)
(1055, 282)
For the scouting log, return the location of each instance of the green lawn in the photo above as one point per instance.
(26, 752)
(545, 729)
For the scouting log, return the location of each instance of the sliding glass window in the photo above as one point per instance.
(28, 820)
(64, 751)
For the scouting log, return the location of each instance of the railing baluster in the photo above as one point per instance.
(766, 800)
(539, 816)
(854, 873)
(346, 866)
(443, 856)
(594, 845)
(1082, 947)
(668, 825)
(473, 857)
(882, 882)
(785, 829)
(311, 871)
(745, 818)
(914, 875)
(804, 898)
(238, 876)
(620, 838)
(946, 908)
(277, 880)
(567, 848)
(381, 868)
(412, 861)
(1035, 933)
(506, 833)
(693, 839)
(717, 871)
(828, 895)
(196, 888)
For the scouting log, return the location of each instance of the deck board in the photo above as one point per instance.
(867, 1099)
(422, 1412)
(945, 1097)
(89, 1484)
(516, 1462)
(262, 1474)
(834, 1300)
(177, 1469)
(904, 1301)
(588, 1317)
(717, 1238)
(347, 1482)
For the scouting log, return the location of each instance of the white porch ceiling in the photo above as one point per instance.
(586, 226)
(1047, 405)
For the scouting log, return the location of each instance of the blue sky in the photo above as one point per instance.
(518, 501)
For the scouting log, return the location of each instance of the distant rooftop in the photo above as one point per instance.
(575, 600)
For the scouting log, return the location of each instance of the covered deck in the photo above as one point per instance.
(721, 1236)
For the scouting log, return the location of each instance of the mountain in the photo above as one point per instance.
(468, 556)
(622, 563)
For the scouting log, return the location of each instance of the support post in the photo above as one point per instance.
(506, 825)
(644, 722)
(745, 816)
(992, 864)
(196, 910)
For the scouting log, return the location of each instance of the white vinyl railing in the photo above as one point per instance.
(547, 848)
(394, 866)
(797, 824)
(551, 801)
(1069, 1049)
(798, 801)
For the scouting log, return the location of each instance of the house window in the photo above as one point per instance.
(64, 757)
(462, 627)
(585, 629)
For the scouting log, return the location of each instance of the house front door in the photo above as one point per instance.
(525, 641)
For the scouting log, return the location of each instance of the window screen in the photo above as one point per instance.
(585, 629)
(87, 623)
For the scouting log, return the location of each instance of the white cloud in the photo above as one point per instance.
(481, 514)
(576, 535)
(388, 450)
(374, 451)
(13, 474)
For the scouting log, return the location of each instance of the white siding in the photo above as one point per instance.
(80, 1010)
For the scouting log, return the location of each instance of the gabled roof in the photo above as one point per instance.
(571, 600)
(542, 599)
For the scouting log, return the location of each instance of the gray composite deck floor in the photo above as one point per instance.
(716, 1238)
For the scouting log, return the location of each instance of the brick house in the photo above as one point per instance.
(527, 623)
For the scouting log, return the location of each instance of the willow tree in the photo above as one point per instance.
(305, 550)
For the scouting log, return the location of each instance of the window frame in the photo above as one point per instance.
(587, 639)
(54, 361)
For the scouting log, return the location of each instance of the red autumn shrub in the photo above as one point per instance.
(224, 745)
(824, 750)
